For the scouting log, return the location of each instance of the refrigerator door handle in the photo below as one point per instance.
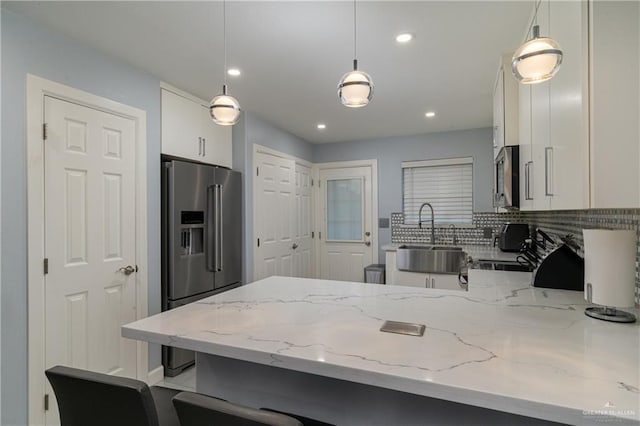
(210, 246)
(218, 225)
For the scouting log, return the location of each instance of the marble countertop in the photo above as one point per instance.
(476, 252)
(502, 345)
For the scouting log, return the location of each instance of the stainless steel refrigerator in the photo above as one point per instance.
(201, 240)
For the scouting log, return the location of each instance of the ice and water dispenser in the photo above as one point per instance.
(191, 232)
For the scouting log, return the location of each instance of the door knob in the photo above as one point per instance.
(367, 234)
(128, 270)
(294, 246)
(367, 243)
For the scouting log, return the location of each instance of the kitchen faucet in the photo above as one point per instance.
(455, 235)
(433, 228)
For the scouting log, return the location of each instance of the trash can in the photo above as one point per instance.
(374, 274)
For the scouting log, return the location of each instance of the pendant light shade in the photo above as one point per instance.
(224, 109)
(355, 88)
(537, 60)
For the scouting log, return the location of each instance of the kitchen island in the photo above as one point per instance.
(500, 351)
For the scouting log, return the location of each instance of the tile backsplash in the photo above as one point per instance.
(557, 223)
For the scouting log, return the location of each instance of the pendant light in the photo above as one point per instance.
(355, 89)
(537, 60)
(224, 109)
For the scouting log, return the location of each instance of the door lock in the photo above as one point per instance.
(127, 270)
(294, 246)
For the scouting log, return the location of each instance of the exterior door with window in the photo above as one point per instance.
(346, 245)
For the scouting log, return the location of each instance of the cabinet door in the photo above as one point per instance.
(411, 279)
(180, 119)
(567, 154)
(526, 156)
(445, 282)
(216, 140)
(615, 104)
(498, 114)
(390, 268)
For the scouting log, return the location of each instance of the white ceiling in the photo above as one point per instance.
(292, 55)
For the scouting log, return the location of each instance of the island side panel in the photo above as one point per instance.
(335, 401)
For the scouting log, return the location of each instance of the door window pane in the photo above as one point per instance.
(344, 209)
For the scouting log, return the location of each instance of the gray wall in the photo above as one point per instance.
(254, 130)
(390, 152)
(30, 48)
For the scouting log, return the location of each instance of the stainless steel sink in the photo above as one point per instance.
(432, 259)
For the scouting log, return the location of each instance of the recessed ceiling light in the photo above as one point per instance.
(430, 114)
(233, 71)
(404, 37)
(322, 126)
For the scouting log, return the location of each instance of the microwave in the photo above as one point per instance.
(506, 192)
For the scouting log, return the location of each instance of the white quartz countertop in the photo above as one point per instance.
(477, 252)
(503, 345)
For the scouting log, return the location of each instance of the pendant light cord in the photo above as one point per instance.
(224, 40)
(355, 31)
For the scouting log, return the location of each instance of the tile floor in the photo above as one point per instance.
(186, 381)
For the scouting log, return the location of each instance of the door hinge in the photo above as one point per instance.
(312, 234)
(44, 131)
(45, 265)
(46, 402)
(257, 171)
(258, 242)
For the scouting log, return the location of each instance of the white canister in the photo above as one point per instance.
(609, 267)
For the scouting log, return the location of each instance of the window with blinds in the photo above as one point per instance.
(447, 184)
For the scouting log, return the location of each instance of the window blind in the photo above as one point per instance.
(446, 184)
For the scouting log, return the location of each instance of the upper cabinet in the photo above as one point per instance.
(188, 131)
(579, 131)
(614, 104)
(505, 107)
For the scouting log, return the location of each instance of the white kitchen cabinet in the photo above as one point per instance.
(526, 151)
(444, 281)
(567, 152)
(614, 104)
(498, 113)
(505, 107)
(554, 135)
(188, 131)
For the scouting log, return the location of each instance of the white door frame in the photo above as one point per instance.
(259, 149)
(374, 200)
(37, 89)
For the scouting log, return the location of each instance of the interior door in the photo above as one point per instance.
(274, 214)
(89, 241)
(345, 242)
(302, 252)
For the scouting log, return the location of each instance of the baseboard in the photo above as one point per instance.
(155, 376)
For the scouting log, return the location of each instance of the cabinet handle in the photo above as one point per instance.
(199, 145)
(204, 147)
(426, 282)
(527, 182)
(548, 167)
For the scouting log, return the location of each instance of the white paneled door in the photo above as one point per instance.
(274, 215)
(346, 240)
(303, 244)
(89, 240)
